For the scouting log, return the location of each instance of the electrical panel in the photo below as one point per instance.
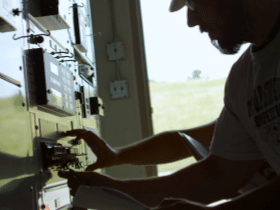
(48, 87)
(52, 87)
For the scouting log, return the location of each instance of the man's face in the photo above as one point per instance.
(224, 21)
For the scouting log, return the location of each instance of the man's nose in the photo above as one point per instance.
(193, 20)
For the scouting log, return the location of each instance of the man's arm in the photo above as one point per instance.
(206, 181)
(164, 147)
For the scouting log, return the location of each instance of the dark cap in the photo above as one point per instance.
(176, 5)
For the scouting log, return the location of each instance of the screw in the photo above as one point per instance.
(49, 91)
(23, 104)
(20, 68)
(43, 206)
(31, 189)
(36, 127)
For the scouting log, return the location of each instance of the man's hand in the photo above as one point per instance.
(76, 179)
(106, 155)
(179, 204)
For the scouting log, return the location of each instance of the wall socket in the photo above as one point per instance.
(119, 89)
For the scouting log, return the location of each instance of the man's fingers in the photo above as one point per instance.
(64, 174)
(74, 132)
(92, 167)
(82, 135)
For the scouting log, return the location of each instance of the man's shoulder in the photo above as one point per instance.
(241, 67)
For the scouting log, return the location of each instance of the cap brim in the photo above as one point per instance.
(176, 5)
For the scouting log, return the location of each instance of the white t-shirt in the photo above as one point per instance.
(249, 125)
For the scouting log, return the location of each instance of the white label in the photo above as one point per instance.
(56, 97)
(54, 69)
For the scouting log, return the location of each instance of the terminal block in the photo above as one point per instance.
(58, 157)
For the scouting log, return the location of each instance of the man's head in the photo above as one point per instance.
(226, 21)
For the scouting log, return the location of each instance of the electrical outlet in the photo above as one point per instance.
(119, 89)
(115, 51)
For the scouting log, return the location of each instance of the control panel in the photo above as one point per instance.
(52, 87)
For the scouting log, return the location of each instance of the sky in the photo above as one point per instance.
(173, 50)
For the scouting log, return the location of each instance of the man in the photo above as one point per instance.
(246, 134)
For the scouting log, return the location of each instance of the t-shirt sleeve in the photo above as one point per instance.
(232, 141)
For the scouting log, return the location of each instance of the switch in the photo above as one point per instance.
(96, 106)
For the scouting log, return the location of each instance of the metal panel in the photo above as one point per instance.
(17, 174)
(24, 184)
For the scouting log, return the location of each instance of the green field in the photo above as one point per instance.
(183, 105)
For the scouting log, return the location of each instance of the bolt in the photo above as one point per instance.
(20, 68)
(36, 127)
(23, 104)
(49, 91)
(31, 189)
(43, 206)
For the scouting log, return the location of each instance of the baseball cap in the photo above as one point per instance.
(176, 5)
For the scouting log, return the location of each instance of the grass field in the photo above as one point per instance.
(185, 105)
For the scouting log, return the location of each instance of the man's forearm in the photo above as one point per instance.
(164, 147)
(161, 148)
(195, 183)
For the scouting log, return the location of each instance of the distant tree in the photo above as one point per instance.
(196, 74)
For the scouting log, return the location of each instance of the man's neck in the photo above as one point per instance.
(270, 37)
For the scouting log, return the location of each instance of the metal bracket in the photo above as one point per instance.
(76, 5)
(53, 53)
(62, 61)
(71, 56)
(33, 39)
